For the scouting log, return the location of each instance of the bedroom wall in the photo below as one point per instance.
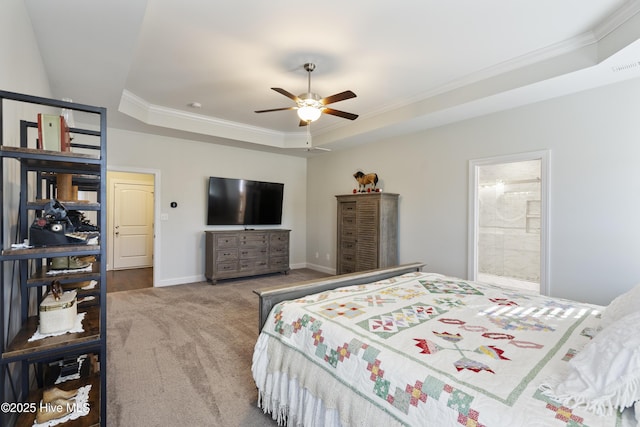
(594, 140)
(184, 167)
(21, 70)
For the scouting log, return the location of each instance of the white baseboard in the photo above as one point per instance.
(180, 281)
(316, 267)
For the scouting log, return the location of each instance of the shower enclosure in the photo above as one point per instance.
(508, 219)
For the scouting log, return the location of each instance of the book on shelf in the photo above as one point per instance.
(53, 133)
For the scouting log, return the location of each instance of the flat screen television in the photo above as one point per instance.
(234, 201)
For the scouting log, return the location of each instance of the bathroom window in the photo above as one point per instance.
(508, 221)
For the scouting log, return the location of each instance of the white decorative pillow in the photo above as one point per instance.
(624, 304)
(605, 375)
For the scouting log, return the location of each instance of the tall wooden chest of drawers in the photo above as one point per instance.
(367, 232)
(241, 253)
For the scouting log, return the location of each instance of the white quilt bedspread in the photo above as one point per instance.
(422, 350)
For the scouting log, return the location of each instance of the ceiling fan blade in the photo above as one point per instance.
(347, 94)
(287, 94)
(339, 113)
(275, 109)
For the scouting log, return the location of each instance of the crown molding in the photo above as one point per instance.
(617, 19)
(613, 22)
(157, 115)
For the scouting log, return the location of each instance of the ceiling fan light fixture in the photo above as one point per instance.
(309, 113)
(311, 106)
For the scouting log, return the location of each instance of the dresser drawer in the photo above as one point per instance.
(348, 246)
(226, 267)
(226, 241)
(253, 252)
(349, 233)
(348, 208)
(348, 267)
(253, 240)
(279, 262)
(279, 238)
(280, 250)
(349, 220)
(256, 265)
(226, 254)
(349, 258)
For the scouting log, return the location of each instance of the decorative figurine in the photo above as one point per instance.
(56, 290)
(364, 180)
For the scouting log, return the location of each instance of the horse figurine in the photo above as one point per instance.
(56, 290)
(366, 179)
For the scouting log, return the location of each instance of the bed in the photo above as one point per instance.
(402, 347)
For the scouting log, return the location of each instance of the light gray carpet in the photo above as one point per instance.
(181, 355)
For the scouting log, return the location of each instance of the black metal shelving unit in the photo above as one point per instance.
(23, 358)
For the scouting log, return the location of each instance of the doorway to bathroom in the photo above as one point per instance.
(509, 221)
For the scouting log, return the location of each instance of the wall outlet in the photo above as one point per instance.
(328, 257)
(317, 255)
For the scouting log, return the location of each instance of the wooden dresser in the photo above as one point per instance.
(367, 232)
(241, 253)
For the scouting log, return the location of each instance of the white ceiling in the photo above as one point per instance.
(413, 64)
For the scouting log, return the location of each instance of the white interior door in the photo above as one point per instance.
(133, 226)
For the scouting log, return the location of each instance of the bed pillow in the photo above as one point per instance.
(605, 375)
(624, 304)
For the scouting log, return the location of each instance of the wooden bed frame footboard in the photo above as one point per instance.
(272, 296)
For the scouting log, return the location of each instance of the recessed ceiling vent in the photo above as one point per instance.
(631, 66)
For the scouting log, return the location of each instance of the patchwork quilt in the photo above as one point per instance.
(427, 349)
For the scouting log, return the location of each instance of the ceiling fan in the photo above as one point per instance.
(310, 106)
